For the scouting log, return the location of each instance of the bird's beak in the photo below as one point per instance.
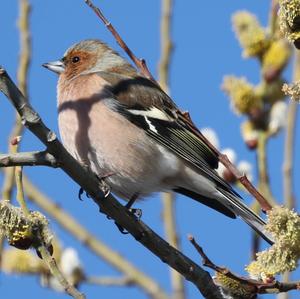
(57, 66)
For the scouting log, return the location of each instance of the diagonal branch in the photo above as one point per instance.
(52, 265)
(67, 222)
(141, 65)
(106, 202)
(254, 286)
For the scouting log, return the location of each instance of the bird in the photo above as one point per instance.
(131, 134)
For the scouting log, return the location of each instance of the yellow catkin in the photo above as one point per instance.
(289, 19)
(234, 287)
(275, 59)
(251, 35)
(284, 225)
(242, 94)
(22, 231)
(22, 262)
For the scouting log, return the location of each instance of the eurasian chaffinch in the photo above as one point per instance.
(129, 132)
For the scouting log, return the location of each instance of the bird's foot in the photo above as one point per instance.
(135, 212)
(80, 192)
(121, 229)
(104, 187)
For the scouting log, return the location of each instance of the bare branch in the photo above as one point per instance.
(166, 44)
(168, 199)
(106, 202)
(259, 287)
(110, 281)
(24, 61)
(289, 142)
(51, 263)
(289, 196)
(20, 192)
(140, 63)
(177, 281)
(108, 254)
(263, 176)
(28, 159)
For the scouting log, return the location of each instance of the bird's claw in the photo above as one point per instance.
(137, 213)
(81, 191)
(121, 229)
(105, 189)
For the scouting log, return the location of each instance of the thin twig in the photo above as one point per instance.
(141, 64)
(263, 177)
(166, 44)
(288, 162)
(255, 237)
(168, 199)
(20, 192)
(110, 281)
(273, 16)
(24, 61)
(67, 222)
(28, 159)
(51, 263)
(258, 286)
(177, 281)
(289, 199)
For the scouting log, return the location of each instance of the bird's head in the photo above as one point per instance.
(85, 57)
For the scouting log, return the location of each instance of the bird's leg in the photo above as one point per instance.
(85, 165)
(135, 212)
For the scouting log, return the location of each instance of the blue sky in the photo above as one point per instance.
(205, 51)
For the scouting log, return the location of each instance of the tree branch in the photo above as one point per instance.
(51, 263)
(289, 199)
(110, 281)
(28, 159)
(140, 63)
(24, 61)
(67, 222)
(287, 169)
(255, 286)
(106, 202)
(263, 177)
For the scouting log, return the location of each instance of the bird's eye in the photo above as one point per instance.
(75, 59)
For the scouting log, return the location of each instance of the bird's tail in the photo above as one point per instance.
(230, 204)
(253, 220)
